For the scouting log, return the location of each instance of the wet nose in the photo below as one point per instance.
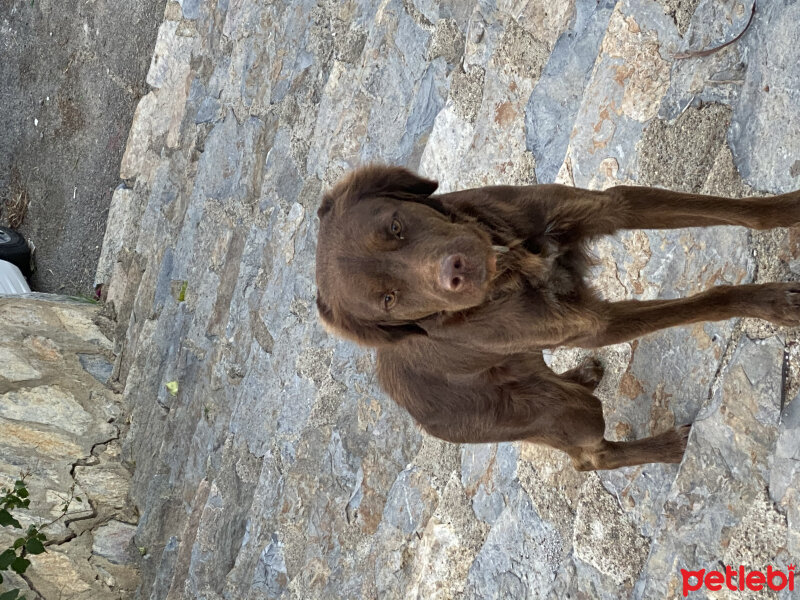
(451, 275)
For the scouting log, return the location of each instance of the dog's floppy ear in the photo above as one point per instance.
(378, 180)
(325, 206)
(397, 182)
(367, 334)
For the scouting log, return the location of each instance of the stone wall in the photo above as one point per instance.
(280, 469)
(60, 423)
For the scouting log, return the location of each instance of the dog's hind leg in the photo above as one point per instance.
(667, 447)
(574, 423)
(546, 409)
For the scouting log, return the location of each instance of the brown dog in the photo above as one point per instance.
(460, 293)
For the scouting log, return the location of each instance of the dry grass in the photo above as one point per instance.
(16, 207)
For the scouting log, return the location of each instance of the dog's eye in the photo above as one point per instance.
(389, 299)
(397, 229)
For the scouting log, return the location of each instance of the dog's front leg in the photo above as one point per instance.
(573, 213)
(629, 319)
(654, 208)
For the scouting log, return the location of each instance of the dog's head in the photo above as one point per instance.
(389, 256)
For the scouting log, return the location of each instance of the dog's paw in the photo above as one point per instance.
(591, 372)
(780, 303)
(588, 374)
(682, 433)
(673, 443)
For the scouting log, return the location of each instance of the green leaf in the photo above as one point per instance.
(12, 595)
(34, 546)
(22, 493)
(6, 519)
(20, 565)
(6, 558)
(18, 543)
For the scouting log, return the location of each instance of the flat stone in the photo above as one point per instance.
(681, 11)
(450, 541)
(97, 366)
(49, 432)
(106, 484)
(78, 322)
(120, 231)
(47, 443)
(487, 470)
(60, 573)
(46, 405)
(16, 314)
(771, 81)
(557, 96)
(114, 542)
(43, 348)
(15, 368)
(170, 63)
(604, 538)
(727, 458)
(518, 537)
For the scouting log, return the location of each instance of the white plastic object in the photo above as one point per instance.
(11, 279)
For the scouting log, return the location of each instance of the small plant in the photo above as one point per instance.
(32, 542)
(85, 299)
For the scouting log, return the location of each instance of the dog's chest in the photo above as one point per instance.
(556, 270)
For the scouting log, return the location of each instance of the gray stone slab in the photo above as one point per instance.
(114, 542)
(728, 458)
(556, 98)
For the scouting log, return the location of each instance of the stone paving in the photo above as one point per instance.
(60, 423)
(279, 469)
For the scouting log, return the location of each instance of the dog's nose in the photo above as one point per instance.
(451, 275)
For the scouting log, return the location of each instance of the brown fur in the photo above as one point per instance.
(460, 293)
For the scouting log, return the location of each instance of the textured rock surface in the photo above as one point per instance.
(279, 469)
(59, 424)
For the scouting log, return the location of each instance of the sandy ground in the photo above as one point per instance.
(71, 75)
